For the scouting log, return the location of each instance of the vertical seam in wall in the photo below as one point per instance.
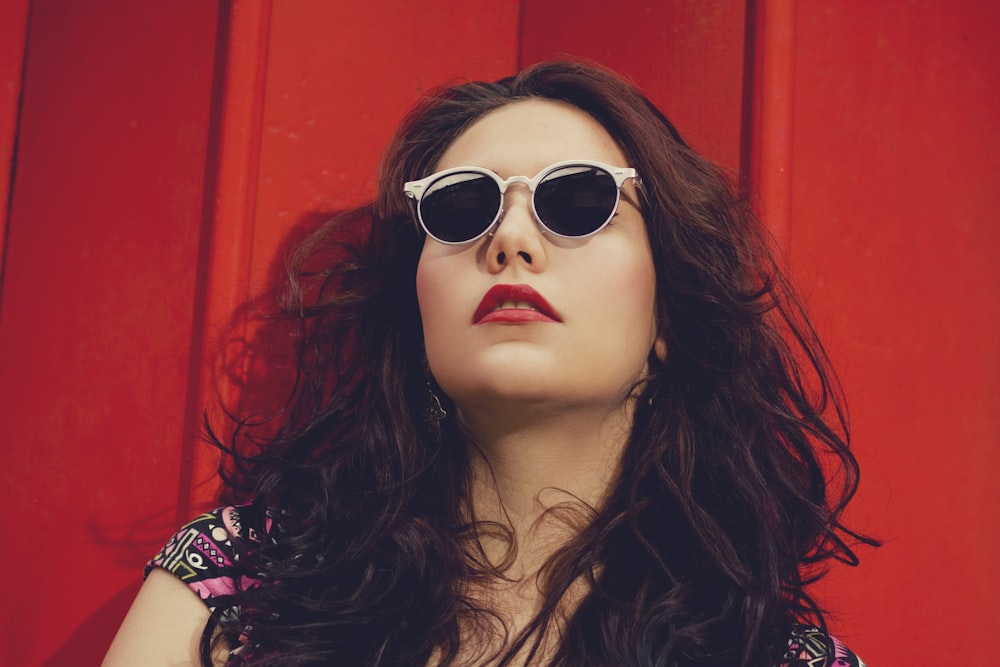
(12, 158)
(747, 132)
(766, 148)
(224, 258)
(519, 47)
(193, 406)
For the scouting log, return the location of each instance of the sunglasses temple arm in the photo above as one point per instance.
(414, 213)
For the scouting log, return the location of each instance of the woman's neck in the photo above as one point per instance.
(526, 462)
(540, 473)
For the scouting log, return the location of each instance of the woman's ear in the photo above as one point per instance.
(660, 348)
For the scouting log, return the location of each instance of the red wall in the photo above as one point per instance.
(99, 284)
(167, 153)
(895, 235)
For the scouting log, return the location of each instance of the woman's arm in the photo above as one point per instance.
(163, 626)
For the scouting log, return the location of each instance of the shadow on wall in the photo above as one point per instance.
(256, 356)
(127, 545)
(256, 370)
(92, 638)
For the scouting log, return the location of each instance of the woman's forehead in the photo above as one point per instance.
(523, 137)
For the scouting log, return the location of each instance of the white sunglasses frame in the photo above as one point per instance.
(415, 191)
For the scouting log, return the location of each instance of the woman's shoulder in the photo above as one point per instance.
(809, 646)
(203, 553)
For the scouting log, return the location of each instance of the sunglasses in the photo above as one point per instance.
(572, 199)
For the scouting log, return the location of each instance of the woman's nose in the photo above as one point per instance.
(517, 238)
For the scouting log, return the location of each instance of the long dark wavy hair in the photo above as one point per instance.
(732, 484)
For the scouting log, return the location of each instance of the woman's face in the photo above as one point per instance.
(594, 344)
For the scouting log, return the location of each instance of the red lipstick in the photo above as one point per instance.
(512, 304)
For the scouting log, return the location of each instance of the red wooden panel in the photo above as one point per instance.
(96, 325)
(895, 231)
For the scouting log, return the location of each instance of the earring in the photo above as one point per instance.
(435, 408)
(433, 413)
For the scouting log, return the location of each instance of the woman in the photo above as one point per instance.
(556, 404)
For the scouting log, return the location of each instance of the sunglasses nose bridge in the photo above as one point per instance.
(516, 180)
(528, 194)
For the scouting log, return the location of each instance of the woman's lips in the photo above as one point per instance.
(514, 303)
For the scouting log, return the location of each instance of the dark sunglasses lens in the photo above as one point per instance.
(459, 207)
(576, 200)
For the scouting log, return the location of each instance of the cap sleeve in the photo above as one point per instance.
(808, 646)
(202, 554)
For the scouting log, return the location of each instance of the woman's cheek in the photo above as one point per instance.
(435, 297)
